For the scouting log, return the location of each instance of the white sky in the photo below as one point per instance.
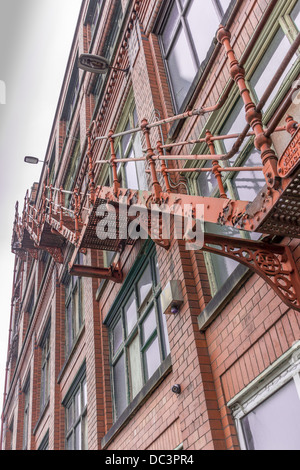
(35, 41)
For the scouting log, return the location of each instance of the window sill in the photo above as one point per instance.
(138, 401)
(233, 284)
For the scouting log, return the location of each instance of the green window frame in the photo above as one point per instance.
(132, 175)
(76, 414)
(269, 51)
(26, 392)
(186, 38)
(45, 442)
(73, 310)
(45, 368)
(138, 334)
(31, 304)
(72, 170)
(108, 48)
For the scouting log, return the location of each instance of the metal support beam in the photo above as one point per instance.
(109, 274)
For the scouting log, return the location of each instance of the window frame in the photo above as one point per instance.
(117, 314)
(182, 23)
(107, 50)
(128, 151)
(26, 414)
(72, 285)
(45, 367)
(79, 385)
(278, 374)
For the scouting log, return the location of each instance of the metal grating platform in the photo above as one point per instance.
(284, 217)
(114, 227)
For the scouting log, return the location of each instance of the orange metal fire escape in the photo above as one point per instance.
(274, 212)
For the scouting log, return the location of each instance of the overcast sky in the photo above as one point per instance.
(35, 41)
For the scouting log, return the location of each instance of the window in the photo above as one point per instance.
(72, 169)
(138, 335)
(45, 370)
(26, 392)
(267, 412)
(10, 436)
(76, 414)
(95, 16)
(245, 185)
(110, 41)
(30, 305)
(45, 442)
(71, 98)
(74, 313)
(131, 174)
(186, 37)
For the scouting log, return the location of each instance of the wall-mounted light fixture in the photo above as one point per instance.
(96, 64)
(171, 298)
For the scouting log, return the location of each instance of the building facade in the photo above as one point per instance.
(147, 341)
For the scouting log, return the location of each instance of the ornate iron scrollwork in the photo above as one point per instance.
(274, 263)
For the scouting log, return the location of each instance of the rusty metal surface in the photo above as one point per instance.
(91, 238)
(290, 161)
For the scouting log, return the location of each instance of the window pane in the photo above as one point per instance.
(140, 165)
(125, 140)
(249, 183)
(269, 65)
(170, 26)
(77, 404)
(84, 394)
(156, 270)
(120, 386)
(69, 443)
(78, 437)
(136, 378)
(117, 336)
(70, 334)
(181, 67)
(130, 314)
(145, 284)
(149, 325)
(84, 433)
(295, 15)
(207, 182)
(222, 266)
(164, 328)
(203, 24)
(131, 174)
(70, 416)
(152, 357)
(76, 318)
(275, 424)
(235, 124)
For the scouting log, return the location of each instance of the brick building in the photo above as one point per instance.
(146, 342)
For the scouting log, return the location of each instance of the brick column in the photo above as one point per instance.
(199, 415)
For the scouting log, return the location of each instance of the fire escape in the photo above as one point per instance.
(275, 212)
